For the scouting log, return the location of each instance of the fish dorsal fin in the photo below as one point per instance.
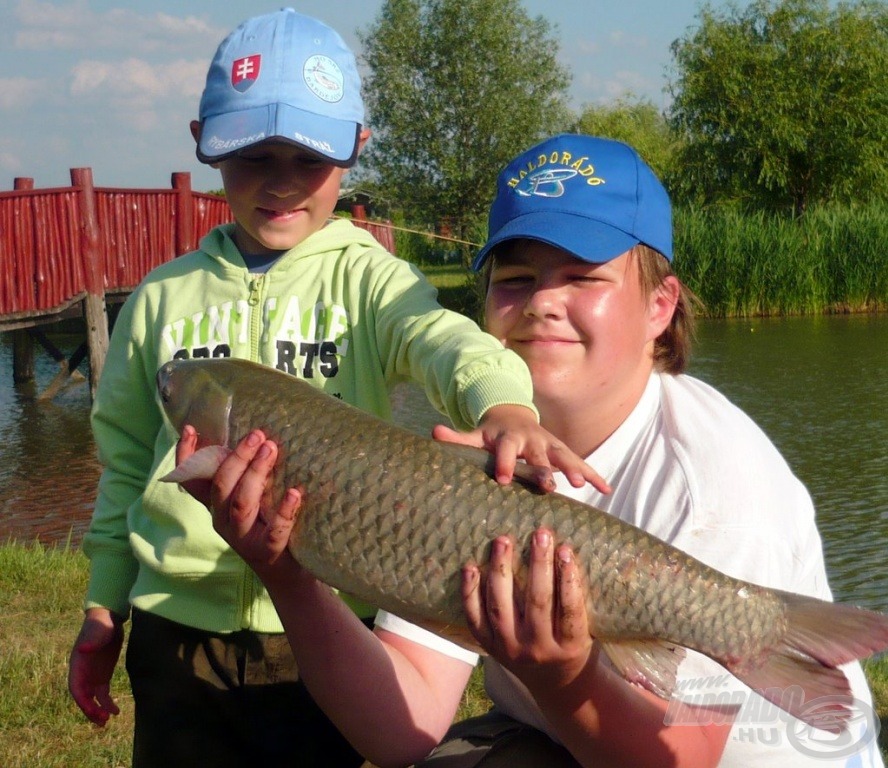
(652, 664)
(535, 478)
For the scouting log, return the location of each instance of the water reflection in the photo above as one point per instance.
(817, 386)
(48, 470)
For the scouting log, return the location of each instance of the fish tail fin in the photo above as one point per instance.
(801, 675)
(833, 633)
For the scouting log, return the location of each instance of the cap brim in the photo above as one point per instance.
(225, 135)
(587, 239)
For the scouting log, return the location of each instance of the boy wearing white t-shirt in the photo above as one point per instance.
(580, 285)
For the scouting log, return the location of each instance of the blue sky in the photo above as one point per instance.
(112, 85)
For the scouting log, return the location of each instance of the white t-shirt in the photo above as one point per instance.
(692, 469)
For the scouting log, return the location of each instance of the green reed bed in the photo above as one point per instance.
(833, 259)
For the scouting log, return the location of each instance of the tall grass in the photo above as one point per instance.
(833, 259)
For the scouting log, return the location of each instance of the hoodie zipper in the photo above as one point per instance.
(257, 288)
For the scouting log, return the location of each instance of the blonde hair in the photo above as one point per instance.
(672, 348)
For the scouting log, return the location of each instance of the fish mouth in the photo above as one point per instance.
(163, 382)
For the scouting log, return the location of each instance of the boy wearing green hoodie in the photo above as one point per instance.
(213, 678)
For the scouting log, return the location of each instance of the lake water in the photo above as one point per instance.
(818, 386)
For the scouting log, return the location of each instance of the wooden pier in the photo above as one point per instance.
(73, 251)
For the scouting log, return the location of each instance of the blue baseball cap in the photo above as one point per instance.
(284, 76)
(592, 197)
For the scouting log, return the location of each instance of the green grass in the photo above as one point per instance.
(41, 590)
(41, 593)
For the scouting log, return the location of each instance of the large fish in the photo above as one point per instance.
(391, 517)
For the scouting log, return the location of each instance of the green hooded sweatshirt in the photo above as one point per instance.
(338, 311)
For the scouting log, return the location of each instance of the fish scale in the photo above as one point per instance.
(391, 517)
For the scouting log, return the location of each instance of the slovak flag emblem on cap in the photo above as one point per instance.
(245, 72)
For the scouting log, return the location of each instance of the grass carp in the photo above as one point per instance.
(391, 517)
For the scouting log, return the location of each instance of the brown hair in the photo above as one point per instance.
(672, 348)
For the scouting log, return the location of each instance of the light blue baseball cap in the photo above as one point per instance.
(285, 76)
(594, 198)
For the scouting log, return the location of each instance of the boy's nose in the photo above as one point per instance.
(283, 185)
(544, 302)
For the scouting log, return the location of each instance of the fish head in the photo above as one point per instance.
(191, 393)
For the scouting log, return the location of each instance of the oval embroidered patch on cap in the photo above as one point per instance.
(324, 78)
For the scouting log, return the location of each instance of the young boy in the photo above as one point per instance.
(581, 286)
(212, 675)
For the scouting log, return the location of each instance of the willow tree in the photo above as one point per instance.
(455, 89)
(784, 104)
(636, 122)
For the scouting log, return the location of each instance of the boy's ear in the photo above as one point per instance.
(663, 301)
(363, 138)
(195, 127)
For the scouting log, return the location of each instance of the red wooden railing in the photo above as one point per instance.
(56, 244)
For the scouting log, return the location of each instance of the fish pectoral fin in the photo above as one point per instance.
(652, 664)
(201, 465)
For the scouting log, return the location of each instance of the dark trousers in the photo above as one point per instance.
(495, 740)
(223, 700)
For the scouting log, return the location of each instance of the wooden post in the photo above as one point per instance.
(94, 304)
(22, 356)
(184, 213)
(22, 343)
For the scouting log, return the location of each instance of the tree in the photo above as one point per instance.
(636, 122)
(455, 89)
(784, 104)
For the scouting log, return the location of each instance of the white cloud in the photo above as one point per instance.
(19, 92)
(137, 79)
(622, 40)
(592, 88)
(628, 81)
(586, 46)
(10, 163)
(74, 25)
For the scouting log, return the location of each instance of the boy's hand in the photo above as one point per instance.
(512, 432)
(93, 658)
(539, 631)
(237, 499)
